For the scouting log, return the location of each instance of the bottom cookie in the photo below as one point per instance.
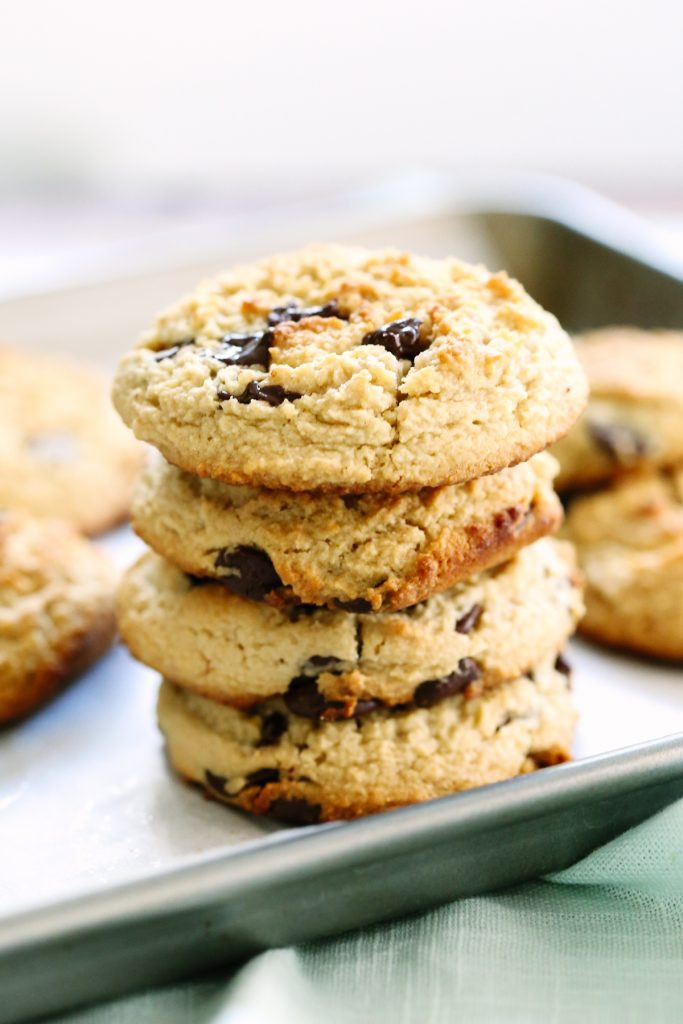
(269, 761)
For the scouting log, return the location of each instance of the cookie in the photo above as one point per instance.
(63, 450)
(331, 664)
(56, 609)
(373, 551)
(274, 762)
(630, 545)
(348, 370)
(635, 413)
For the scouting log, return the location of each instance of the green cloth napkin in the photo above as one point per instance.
(600, 942)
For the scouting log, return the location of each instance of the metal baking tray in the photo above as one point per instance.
(114, 875)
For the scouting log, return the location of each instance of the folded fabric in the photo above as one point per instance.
(599, 942)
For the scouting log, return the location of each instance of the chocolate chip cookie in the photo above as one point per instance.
(635, 413)
(333, 664)
(629, 539)
(374, 551)
(56, 609)
(273, 761)
(63, 450)
(336, 369)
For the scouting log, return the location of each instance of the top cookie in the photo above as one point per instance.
(348, 370)
(63, 451)
(635, 414)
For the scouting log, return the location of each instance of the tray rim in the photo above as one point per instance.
(509, 802)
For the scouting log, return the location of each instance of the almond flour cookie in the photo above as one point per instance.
(630, 545)
(371, 551)
(335, 664)
(347, 370)
(274, 762)
(56, 609)
(635, 413)
(63, 450)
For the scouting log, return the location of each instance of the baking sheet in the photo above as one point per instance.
(87, 800)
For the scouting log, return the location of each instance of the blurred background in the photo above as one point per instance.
(143, 128)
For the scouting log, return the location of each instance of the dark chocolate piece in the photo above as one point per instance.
(295, 811)
(262, 776)
(293, 312)
(401, 338)
(562, 665)
(273, 394)
(304, 698)
(434, 690)
(272, 728)
(618, 441)
(322, 662)
(359, 605)
(244, 349)
(217, 783)
(169, 353)
(254, 576)
(467, 622)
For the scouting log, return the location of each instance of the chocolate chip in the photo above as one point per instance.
(401, 338)
(262, 776)
(467, 622)
(304, 698)
(618, 441)
(254, 575)
(244, 349)
(273, 394)
(434, 690)
(293, 312)
(169, 353)
(218, 783)
(301, 611)
(562, 665)
(272, 728)
(322, 662)
(295, 811)
(358, 605)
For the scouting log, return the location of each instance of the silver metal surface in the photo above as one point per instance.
(115, 876)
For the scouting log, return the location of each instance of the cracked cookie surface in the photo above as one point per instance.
(63, 450)
(390, 551)
(56, 609)
(629, 540)
(312, 772)
(330, 664)
(635, 413)
(348, 370)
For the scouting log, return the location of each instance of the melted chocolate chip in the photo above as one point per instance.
(254, 575)
(434, 690)
(295, 811)
(262, 776)
(293, 312)
(273, 394)
(301, 611)
(467, 622)
(217, 783)
(169, 353)
(562, 665)
(618, 441)
(244, 349)
(304, 698)
(507, 518)
(401, 338)
(358, 605)
(272, 728)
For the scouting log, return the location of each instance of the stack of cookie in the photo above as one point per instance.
(352, 596)
(628, 447)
